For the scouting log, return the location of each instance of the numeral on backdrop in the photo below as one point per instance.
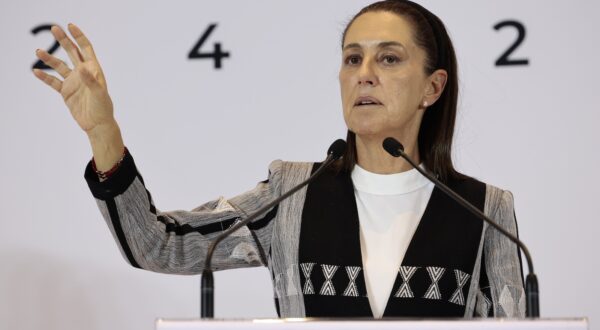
(504, 59)
(217, 54)
(55, 46)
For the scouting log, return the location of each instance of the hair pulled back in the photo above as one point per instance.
(437, 126)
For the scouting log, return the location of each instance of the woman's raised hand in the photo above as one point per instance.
(83, 87)
(84, 91)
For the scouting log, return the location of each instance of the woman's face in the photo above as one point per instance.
(382, 78)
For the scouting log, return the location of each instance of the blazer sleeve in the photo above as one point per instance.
(502, 292)
(176, 242)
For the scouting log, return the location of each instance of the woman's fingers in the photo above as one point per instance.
(53, 62)
(67, 44)
(51, 81)
(86, 47)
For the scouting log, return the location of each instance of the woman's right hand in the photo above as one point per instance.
(84, 91)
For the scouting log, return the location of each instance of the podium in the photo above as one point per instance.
(379, 324)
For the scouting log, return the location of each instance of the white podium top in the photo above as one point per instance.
(382, 324)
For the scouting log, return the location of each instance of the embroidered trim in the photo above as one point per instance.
(328, 271)
(307, 269)
(352, 289)
(461, 279)
(435, 273)
(426, 280)
(406, 272)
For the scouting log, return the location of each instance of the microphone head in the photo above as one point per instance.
(337, 149)
(393, 147)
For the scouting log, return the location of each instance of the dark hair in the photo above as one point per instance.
(437, 125)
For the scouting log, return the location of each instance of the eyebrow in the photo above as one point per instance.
(382, 44)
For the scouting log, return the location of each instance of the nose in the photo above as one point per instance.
(366, 74)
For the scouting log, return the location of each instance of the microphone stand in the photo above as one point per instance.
(532, 309)
(207, 281)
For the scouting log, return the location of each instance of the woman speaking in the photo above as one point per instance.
(369, 237)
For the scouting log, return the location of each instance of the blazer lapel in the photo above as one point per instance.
(330, 258)
(434, 276)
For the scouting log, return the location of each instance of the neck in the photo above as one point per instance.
(372, 157)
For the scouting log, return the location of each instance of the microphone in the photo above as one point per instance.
(335, 151)
(396, 149)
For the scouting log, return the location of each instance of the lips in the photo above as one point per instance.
(366, 101)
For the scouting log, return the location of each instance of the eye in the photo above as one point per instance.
(352, 60)
(389, 59)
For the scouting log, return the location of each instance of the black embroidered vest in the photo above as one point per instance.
(434, 277)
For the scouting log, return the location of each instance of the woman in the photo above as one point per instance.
(370, 238)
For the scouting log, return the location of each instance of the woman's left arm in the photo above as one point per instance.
(502, 259)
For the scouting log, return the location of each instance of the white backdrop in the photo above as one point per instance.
(531, 129)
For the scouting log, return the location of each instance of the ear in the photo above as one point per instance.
(434, 87)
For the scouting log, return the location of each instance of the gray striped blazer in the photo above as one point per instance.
(175, 242)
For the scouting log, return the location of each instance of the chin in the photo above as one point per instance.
(368, 133)
(367, 128)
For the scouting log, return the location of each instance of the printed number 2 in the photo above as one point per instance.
(46, 27)
(503, 59)
(217, 54)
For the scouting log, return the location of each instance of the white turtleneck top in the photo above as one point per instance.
(390, 207)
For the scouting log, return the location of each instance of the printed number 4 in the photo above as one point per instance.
(217, 54)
